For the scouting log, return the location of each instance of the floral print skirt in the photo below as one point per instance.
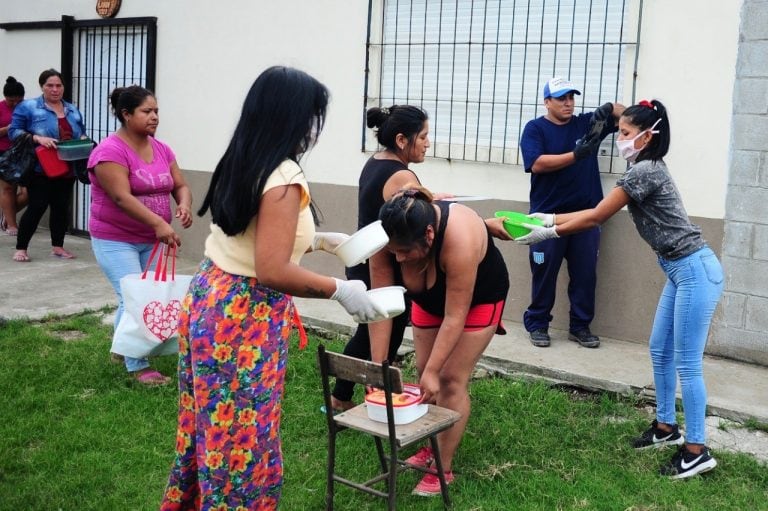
(233, 340)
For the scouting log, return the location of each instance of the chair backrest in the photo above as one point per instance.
(359, 371)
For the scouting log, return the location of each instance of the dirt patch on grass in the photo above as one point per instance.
(68, 335)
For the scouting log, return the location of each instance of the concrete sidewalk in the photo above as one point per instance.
(737, 391)
(48, 285)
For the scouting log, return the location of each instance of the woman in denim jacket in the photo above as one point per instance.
(49, 119)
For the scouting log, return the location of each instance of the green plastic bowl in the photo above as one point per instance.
(71, 150)
(513, 222)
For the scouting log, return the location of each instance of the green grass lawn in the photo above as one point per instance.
(77, 434)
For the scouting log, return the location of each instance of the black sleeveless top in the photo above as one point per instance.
(370, 198)
(492, 280)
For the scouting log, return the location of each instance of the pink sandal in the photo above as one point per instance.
(151, 378)
(62, 254)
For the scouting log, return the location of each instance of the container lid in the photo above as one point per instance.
(83, 142)
(405, 399)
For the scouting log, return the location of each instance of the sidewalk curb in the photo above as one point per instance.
(516, 368)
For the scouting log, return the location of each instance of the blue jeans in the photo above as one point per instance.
(118, 259)
(679, 335)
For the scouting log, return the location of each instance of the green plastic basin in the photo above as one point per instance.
(70, 150)
(513, 222)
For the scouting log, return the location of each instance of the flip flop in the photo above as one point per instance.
(152, 378)
(11, 231)
(21, 257)
(63, 254)
(336, 411)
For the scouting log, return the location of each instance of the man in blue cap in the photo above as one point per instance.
(560, 152)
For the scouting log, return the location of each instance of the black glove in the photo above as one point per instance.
(586, 146)
(603, 113)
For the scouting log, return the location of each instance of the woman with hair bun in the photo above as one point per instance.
(12, 197)
(458, 282)
(693, 287)
(403, 133)
(237, 317)
(133, 177)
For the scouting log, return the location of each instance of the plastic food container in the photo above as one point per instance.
(513, 222)
(362, 244)
(406, 406)
(52, 165)
(390, 298)
(70, 150)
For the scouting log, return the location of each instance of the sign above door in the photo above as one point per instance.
(107, 8)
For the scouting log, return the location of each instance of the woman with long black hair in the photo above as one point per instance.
(238, 314)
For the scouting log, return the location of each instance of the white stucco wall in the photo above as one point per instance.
(25, 54)
(209, 54)
(687, 60)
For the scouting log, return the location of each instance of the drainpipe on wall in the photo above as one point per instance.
(637, 50)
(367, 71)
(67, 43)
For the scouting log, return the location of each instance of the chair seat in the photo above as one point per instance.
(435, 420)
(390, 380)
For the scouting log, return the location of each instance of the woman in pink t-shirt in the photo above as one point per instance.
(133, 177)
(12, 197)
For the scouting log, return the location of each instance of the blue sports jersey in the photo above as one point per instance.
(572, 188)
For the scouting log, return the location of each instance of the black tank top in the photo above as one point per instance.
(370, 198)
(491, 284)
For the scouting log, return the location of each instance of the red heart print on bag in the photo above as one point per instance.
(162, 321)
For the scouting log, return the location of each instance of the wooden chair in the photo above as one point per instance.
(389, 379)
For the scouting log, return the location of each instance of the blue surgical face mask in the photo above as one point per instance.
(627, 149)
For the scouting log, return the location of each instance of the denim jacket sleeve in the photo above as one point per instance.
(31, 116)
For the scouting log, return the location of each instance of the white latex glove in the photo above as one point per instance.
(328, 241)
(351, 294)
(547, 218)
(537, 234)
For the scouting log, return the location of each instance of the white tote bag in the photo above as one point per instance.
(152, 303)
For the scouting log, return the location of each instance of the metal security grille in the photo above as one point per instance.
(105, 56)
(478, 66)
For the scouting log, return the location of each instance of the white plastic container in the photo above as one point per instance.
(362, 244)
(406, 406)
(390, 298)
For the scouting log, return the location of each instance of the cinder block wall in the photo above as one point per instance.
(740, 328)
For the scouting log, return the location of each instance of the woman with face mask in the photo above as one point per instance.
(693, 287)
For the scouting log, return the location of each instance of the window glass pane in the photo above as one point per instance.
(478, 67)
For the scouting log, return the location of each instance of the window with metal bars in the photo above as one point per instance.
(478, 66)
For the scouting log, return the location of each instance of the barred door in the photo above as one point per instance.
(107, 54)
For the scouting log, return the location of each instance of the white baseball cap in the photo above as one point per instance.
(559, 86)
